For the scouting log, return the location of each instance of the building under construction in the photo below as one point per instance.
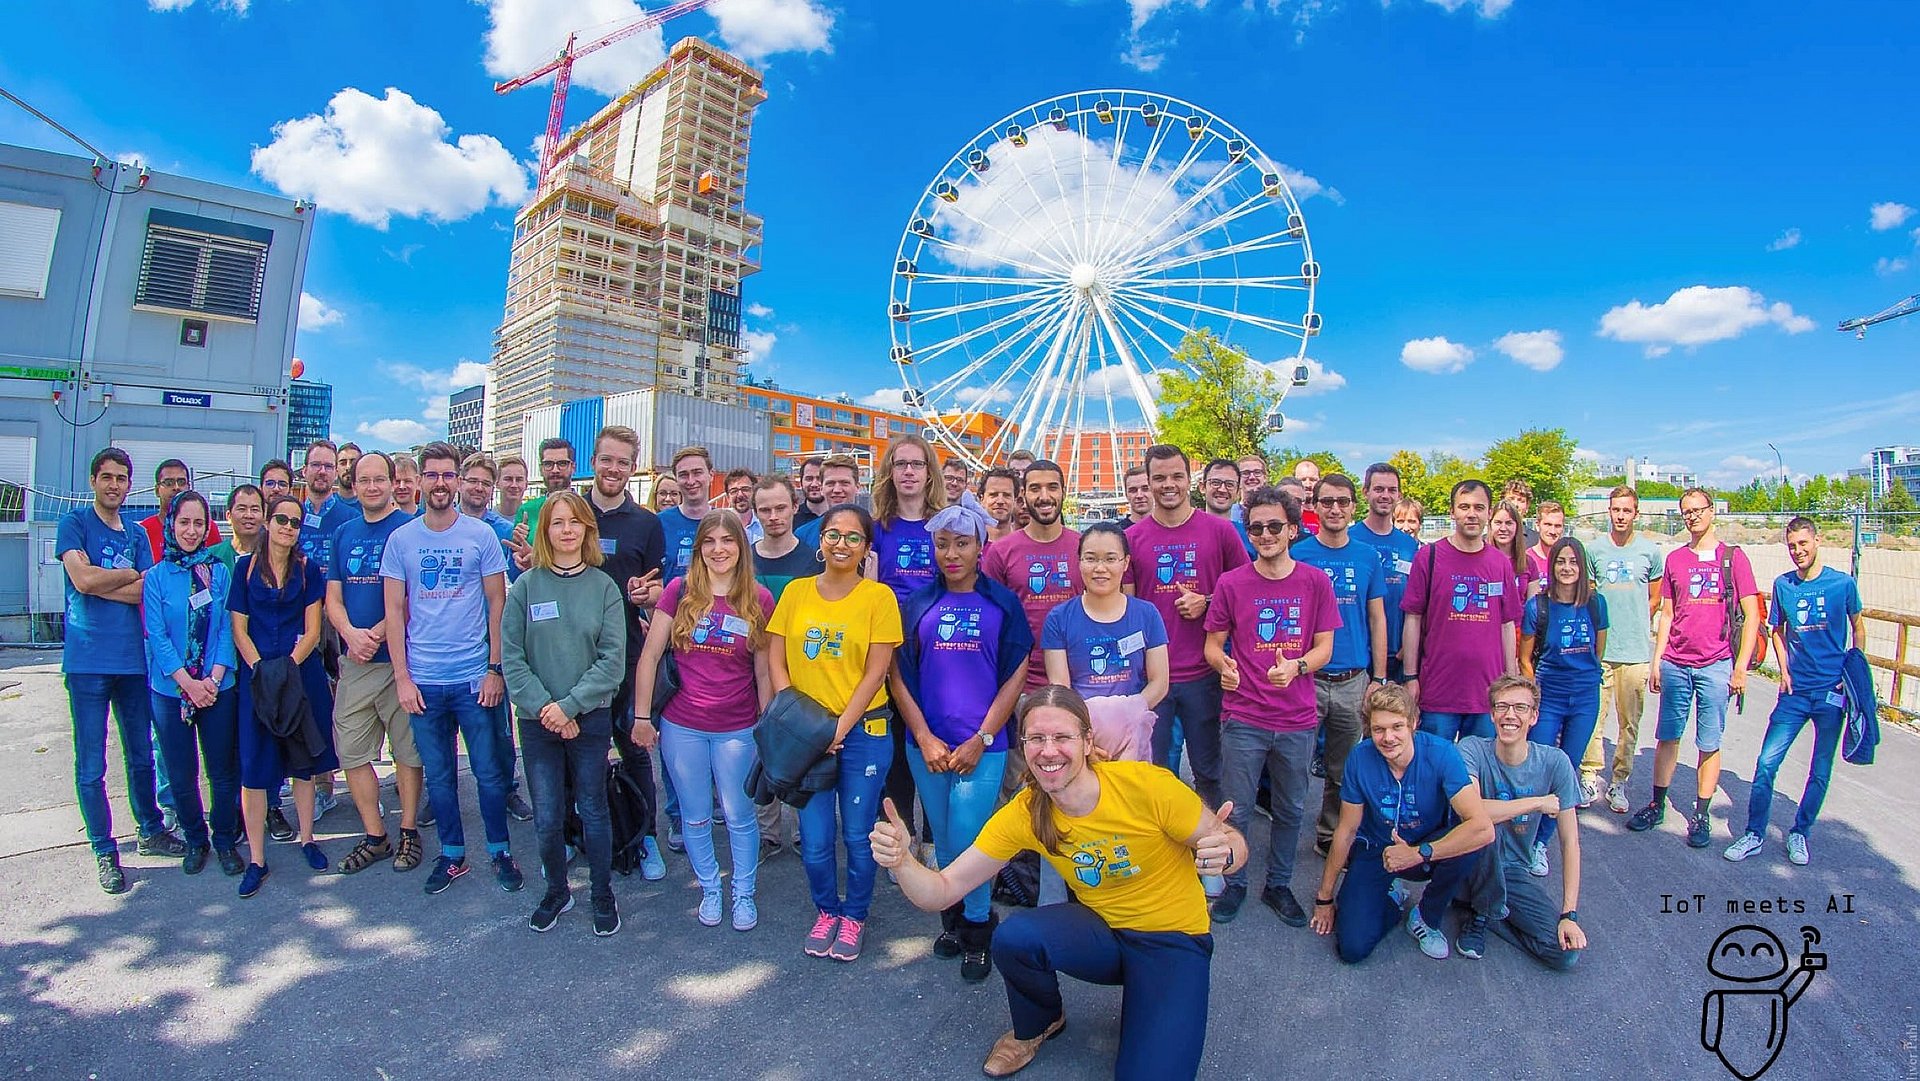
(627, 262)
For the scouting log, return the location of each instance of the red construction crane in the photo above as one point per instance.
(561, 68)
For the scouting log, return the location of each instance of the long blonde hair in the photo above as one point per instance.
(886, 501)
(696, 597)
(1040, 810)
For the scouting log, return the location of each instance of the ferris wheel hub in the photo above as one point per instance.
(1084, 277)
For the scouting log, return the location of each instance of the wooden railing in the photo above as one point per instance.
(1897, 664)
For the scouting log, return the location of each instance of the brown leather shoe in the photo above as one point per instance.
(1011, 1054)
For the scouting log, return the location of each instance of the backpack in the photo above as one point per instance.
(631, 811)
(1540, 624)
(1018, 883)
(1736, 615)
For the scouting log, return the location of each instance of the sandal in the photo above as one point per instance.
(365, 855)
(408, 856)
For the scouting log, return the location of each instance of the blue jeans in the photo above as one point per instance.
(1520, 910)
(550, 763)
(1164, 977)
(1702, 692)
(864, 761)
(1195, 704)
(88, 697)
(958, 806)
(1451, 726)
(217, 731)
(453, 709)
(698, 761)
(1790, 714)
(1365, 913)
(503, 729)
(1176, 747)
(1567, 720)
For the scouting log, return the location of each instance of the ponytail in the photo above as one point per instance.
(1046, 829)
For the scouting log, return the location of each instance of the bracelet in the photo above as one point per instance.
(1318, 901)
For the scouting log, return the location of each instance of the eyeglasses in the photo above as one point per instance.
(834, 536)
(1255, 529)
(435, 474)
(1694, 512)
(284, 520)
(1102, 560)
(1336, 502)
(1042, 742)
(1221, 482)
(479, 482)
(1512, 709)
(276, 485)
(611, 462)
(171, 482)
(911, 467)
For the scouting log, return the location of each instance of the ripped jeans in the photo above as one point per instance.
(864, 761)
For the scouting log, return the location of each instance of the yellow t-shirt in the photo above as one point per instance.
(1128, 860)
(826, 641)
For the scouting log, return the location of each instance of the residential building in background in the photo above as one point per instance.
(1644, 471)
(627, 262)
(309, 417)
(805, 426)
(466, 417)
(1088, 459)
(1887, 466)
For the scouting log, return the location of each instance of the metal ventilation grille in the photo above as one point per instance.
(200, 272)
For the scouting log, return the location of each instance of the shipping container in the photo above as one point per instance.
(540, 424)
(738, 436)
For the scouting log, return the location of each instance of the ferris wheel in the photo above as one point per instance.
(1048, 274)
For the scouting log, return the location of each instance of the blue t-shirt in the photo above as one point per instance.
(276, 615)
(445, 575)
(1357, 581)
(317, 527)
(358, 547)
(808, 533)
(678, 529)
(1568, 661)
(503, 528)
(103, 637)
(1816, 614)
(1396, 551)
(959, 641)
(1104, 658)
(905, 552)
(1419, 804)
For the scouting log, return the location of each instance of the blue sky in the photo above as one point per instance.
(1686, 196)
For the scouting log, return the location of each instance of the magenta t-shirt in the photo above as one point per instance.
(1537, 571)
(717, 692)
(1460, 649)
(1043, 576)
(1267, 620)
(1196, 553)
(1698, 635)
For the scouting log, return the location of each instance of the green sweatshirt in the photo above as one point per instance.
(565, 641)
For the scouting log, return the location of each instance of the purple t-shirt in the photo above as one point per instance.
(1043, 576)
(717, 691)
(1267, 620)
(1460, 649)
(1196, 554)
(1698, 635)
(959, 638)
(904, 551)
(1537, 571)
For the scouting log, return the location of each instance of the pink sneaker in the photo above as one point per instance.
(820, 939)
(846, 944)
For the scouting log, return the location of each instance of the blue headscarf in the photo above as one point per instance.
(960, 518)
(199, 565)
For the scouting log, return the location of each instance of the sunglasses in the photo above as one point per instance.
(1340, 501)
(1255, 529)
(284, 520)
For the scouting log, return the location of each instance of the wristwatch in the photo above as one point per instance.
(1426, 852)
(1571, 915)
(496, 670)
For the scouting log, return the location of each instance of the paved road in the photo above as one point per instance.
(332, 976)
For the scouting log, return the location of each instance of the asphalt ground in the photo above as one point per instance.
(332, 976)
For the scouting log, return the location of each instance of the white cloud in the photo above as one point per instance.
(1435, 355)
(1296, 425)
(238, 7)
(756, 29)
(526, 34)
(1788, 239)
(464, 373)
(970, 395)
(1587, 454)
(372, 158)
(1488, 9)
(1305, 187)
(395, 432)
(759, 311)
(759, 346)
(1142, 57)
(1320, 378)
(1736, 469)
(1698, 315)
(1885, 216)
(1887, 267)
(891, 398)
(1536, 349)
(315, 314)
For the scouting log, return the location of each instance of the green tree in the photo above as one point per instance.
(1899, 500)
(1283, 460)
(1543, 457)
(1413, 474)
(1214, 402)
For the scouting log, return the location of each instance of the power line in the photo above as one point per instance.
(54, 124)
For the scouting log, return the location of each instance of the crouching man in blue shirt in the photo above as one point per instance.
(1401, 791)
(1523, 785)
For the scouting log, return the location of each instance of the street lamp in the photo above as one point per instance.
(1780, 495)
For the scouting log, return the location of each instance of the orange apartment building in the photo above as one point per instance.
(805, 426)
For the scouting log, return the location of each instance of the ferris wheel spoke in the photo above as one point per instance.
(969, 253)
(1067, 388)
(1277, 326)
(1025, 297)
(1135, 376)
(947, 345)
(1043, 333)
(922, 277)
(1125, 308)
(1042, 318)
(1169, 189)
(1270, 242)
(1013, 242)
(1154, 142)
(1103, 225)
(1027, 407)
(1150, 237)
(1216, 223)
(1292, 282)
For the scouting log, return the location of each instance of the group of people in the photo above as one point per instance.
(1026, 686)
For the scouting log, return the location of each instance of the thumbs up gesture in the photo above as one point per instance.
(1230, 675)
(891, 839)
(1214, 852)
(1400, 855)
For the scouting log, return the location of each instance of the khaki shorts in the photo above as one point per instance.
(365, 708)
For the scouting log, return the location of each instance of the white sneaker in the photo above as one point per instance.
(1746, 845)
(1432, 942)
(1617, 800)
(1537, 866)
(710, 907)
(1797, 849)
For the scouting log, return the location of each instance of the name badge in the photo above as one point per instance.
(735, 626)
(1835, 698)
(123, 561)
(1494, 589)
(542, 611)
(608, 547)
(1133, 643)
(1403, 566)
(313, 521)
(201, 599)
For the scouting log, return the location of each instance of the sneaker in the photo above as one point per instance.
(1285, 905)
(1473, 938)
(710, 902)
(1537, 865)
(253, 879)
(1214, 885)
(112, 878)
(1319, 766)
(507, 873)
(1797, 849)
(323, 801)
(1432, 943)
(1745, 845)
(425, 817)
(161, 843)
(1647, 817)
(820, 939)
(653, 866)
(408, 855)
(316, 859)
(445, 870)
(286, 790)
(1699, 831)
(1227, 906)
(278, 827)
(1617, 799)
(606, 917)
(168, 820)
(675, 840)
(548, 911)
(1397, 893)
(196, 859)
(846, 941)
(230, 862)
(519, 808)
(746, 914)
(1589, 790)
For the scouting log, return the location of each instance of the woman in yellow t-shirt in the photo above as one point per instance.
(832, 638)
(1128, 837)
